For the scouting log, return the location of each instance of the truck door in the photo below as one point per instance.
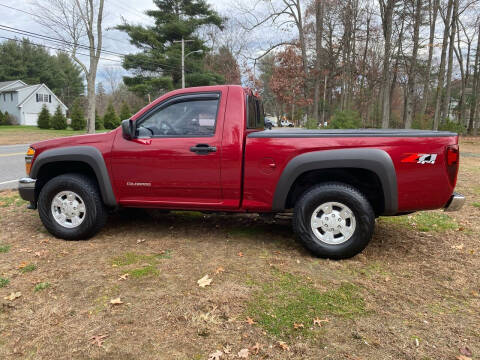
(174, 161)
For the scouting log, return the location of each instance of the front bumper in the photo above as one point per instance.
(455, 203)
(26, 188)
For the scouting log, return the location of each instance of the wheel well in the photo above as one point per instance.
(53, 169)
(366, 181)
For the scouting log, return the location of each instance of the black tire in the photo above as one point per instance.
(340, 193)
(95, 214)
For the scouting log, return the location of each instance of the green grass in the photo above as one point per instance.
(11, 199)
(5, 129)
(143, 272)
(28, 268)
(3, 282)
(41, 286)
(130, 258)
(288, 299)
(424, 221)
(476, 204)
(4, 248)
(188, 214)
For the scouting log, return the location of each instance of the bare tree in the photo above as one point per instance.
(448, 87)
(73, 21)
(474, 105)
(113, 76)
(319, 9)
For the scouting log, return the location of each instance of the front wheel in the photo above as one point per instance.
(334, 220)
(71, 208)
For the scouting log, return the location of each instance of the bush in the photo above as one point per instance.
(43, 121)
(125, 111)
(347, 119)
(98, 121)
(453, 126)
(311, 124)
(58, 121)
(111, 120)
(2, 119)
(78, 118)
(8, 119)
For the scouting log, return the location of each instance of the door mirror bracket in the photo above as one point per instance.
(128, 129)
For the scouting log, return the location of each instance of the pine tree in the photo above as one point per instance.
(43, 121)
(98, 121)
(78, 118)
(125, 111)
(59, 121)
(111, 120)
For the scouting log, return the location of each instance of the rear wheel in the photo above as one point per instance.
(71, 208)
(334, 220)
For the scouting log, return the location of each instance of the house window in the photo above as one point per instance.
(4, 99)
(11, 96)
(49, 98)
(43, 98)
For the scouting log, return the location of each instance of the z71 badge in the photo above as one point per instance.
(420, 158)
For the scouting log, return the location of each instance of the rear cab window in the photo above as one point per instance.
(255, 115)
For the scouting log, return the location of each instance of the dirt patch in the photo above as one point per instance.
(413, 293)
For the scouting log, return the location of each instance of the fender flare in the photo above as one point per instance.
(375, 160)
(85, 154)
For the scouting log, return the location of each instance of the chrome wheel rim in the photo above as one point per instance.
(68, 209)
(333, 223)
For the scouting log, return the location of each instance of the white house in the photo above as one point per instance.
(24, 102)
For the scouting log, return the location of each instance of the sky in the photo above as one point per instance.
(131, 10)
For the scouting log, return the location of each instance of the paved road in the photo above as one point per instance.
(12, 165)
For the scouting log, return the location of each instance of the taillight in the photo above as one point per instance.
(28, 160)
(452, 161)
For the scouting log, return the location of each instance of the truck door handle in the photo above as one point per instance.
(203, 149)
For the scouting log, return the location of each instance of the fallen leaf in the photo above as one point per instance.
(255, 348)
(98, 339)
(283, 345)
(243, 354)
(240, 254)
(458, 247)
(387, 278)
(298, 326)
(124, 276)
(463, 357)
(204, 281)
(227, 349)
(466, 351)
(22, 265)
(139, 241)
(318, 321)
(13, 296)
(250, 321)
(116, 301)
(219, 270)
(216, 355)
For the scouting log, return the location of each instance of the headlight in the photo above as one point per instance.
(29, 159)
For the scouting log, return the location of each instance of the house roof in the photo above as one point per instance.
(37, 87)
(7, 84)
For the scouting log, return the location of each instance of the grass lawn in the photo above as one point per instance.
(131, 292)
(19, 134)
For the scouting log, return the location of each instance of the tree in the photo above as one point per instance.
(2, 119)
(157, 67)
(111, 120)
(44, 118)
(34, 65)
(77, 116)
(98, 121)
(73, 21)
(125, 111)
(225, 65)
(58, 121)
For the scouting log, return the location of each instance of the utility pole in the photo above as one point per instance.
(183, 57)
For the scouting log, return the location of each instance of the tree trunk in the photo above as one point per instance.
(441, 71)
(475, 87)
(318, 49)
(448, 88)
(387, 19)
(413, 66)
(426, 84)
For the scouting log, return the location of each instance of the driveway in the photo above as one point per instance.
(12, 165)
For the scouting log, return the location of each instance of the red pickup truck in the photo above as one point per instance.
(205, 148)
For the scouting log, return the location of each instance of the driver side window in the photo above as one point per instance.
(188, 118)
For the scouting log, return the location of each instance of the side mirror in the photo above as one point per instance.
(128, 130)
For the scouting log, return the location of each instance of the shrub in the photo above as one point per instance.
(347, 119)
(43, 121)
(2, 119)
(311, 124)
(78, 118)
(58, 121)
(8, 119)
(98, 121)
(111, 120)
(449, 125)
(125, 111)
